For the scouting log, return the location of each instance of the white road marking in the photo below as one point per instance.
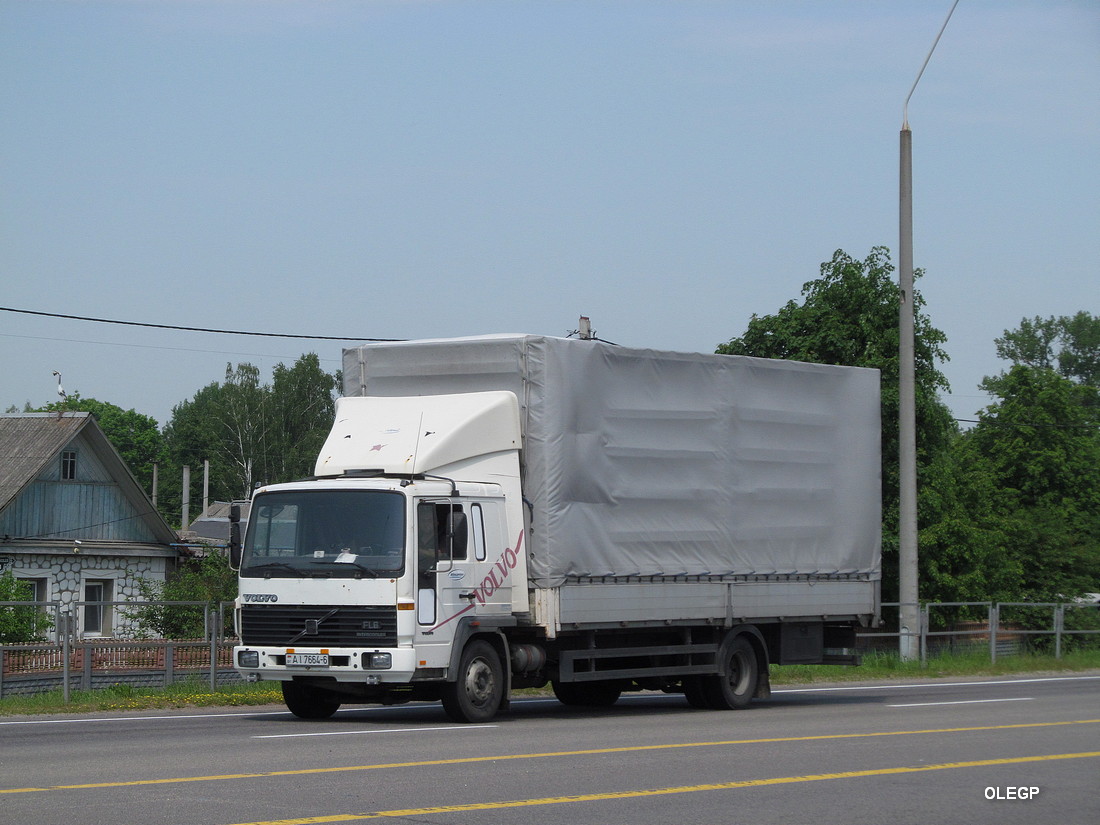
(903, 686)
(143, 718)
(963, 702)
(387, 730)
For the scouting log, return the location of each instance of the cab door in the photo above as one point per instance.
(457, 573)
(477, 581)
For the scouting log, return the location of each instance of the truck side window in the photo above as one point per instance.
(459, 532)
(477, 530)
(442, 532)
(427, 541)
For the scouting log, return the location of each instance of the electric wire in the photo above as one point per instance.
(993, 422)
(197, 329)
(155, 346)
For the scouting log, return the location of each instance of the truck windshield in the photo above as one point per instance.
(325, 534)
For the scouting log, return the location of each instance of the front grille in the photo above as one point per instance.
(319, 625)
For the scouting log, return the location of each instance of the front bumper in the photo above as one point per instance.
(361, 665)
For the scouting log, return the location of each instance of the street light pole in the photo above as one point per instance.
(908, 576)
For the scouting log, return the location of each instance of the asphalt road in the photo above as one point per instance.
(1021, 750)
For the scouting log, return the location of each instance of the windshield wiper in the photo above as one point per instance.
(274, 565)
(369, 570)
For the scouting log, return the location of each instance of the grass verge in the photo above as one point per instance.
(889, 666)
(183, 694)
(875, 667)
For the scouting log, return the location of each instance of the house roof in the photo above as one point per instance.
(214, 523)
(29, 442)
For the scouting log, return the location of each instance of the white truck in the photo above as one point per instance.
(500, 512)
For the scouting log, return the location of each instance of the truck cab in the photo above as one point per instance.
(367, 583)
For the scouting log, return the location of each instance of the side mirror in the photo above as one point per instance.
(235, 536)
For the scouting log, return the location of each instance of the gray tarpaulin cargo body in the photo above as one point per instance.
(504, 512)
(696, 486)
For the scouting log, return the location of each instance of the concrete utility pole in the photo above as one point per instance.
(908, 576)
(185, 510)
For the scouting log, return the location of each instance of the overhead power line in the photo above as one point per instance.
(197, 329)
(993, 422)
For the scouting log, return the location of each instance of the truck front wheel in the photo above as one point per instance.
(477, 693)
(307, 702)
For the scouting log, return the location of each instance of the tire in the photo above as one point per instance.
(734, 688)
(587, 694)
(695, 692)
(477, 694)
(307, 702)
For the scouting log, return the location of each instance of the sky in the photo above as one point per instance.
(436, 168)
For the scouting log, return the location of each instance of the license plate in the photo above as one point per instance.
(307, 659)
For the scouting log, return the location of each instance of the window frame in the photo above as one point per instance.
(68, 465)
(100, 608)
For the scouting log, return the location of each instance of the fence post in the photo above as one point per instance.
(212, 633)
(66, 652)
(89, 654)
(1, 671)
(169, 663)
(1059, 626)
(925, 621)
(994, 622)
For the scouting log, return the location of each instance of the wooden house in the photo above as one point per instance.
(74, 522)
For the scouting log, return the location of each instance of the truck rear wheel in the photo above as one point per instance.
(735, 687)
(587, 694)
(479, 690)
(307, 702)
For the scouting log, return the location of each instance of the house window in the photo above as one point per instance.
(68, 465)
(39, 588)
(97, 614)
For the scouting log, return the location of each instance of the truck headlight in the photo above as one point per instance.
(377, 661)
(248, 658)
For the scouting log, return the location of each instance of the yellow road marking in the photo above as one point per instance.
(716, 786)
(549, 754)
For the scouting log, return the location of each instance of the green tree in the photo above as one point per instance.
(1068, 344)
(1040, 442)
(1011, 513)
(964, 551)
(205, 578)
(304, 404)
(251, 432)
(244, 417)
(849, 316)
(191, 437)
(18, 624)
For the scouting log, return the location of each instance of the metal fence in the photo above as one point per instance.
(1001, 628)
(66, 657)
(69, 658)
